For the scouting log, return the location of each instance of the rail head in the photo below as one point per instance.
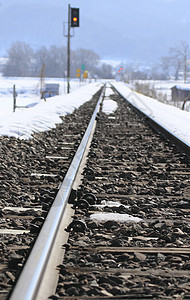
(30, 280)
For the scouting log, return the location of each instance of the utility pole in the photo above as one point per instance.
(68, 50)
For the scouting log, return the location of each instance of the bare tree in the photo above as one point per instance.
(180, 55)
(84, 57)
(105, 71)
(54, 59)
(177, 65)
(23, 61)
(40, 58)
(166, 65)
(20, 60)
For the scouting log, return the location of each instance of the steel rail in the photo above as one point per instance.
(30, 280)
(179, 143)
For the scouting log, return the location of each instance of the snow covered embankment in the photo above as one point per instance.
(45, 115)
(172, 118)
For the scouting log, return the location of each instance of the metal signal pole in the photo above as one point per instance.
(68, 50)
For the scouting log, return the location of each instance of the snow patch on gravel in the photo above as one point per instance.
(114, 217)
(108, 91)
(110, 204)
(109, 106)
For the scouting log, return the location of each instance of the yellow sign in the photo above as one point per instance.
(85, 75)
(78, 74)
(78, 70)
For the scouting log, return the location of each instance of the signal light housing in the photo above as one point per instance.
(74, 17)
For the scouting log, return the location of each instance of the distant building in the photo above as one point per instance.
(180, 94)
(51, 89)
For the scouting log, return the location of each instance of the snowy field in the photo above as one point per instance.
(28, 91)
(164, 87)
(43, 115)
(172, 118)
(39, 115)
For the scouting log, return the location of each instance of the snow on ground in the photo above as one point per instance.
(108, 91)
(163, 85)
(172, 118)
(28, 91)
(105, 203)
(109, 106)
(44, 115)
(114, 216)
(164, 88)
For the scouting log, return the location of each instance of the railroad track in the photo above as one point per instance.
(31, 174)
(126, 235)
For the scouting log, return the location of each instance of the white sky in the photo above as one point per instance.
(125, 30)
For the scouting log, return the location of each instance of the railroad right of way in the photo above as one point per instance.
(130, 235)
(128, 230)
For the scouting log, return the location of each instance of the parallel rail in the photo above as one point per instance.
(133, 167)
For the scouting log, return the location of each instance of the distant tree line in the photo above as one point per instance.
(25, 62)
(52, 61)
(176, 65)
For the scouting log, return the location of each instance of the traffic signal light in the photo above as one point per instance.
(74, 17)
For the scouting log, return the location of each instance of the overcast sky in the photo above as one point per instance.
(133, 30)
